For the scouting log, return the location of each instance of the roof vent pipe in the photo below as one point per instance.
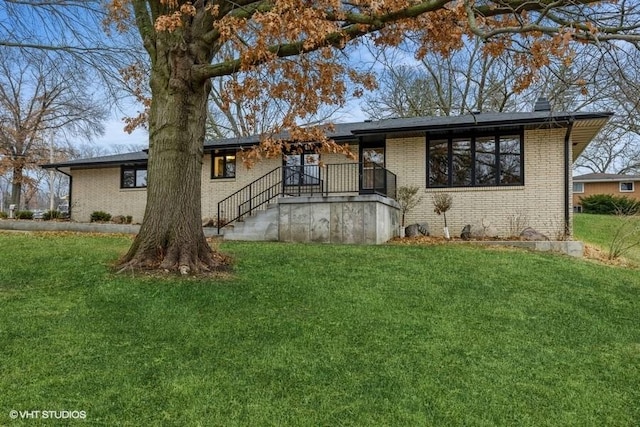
(542, 104)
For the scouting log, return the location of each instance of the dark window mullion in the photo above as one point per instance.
(522, 156)
(473, 161)
(497, 160)
(450, 161)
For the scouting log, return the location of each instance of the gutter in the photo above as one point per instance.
(567, 178)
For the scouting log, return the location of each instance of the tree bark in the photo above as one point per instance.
(171, 236)
(16, 186)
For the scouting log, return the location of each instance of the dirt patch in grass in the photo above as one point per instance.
(435, 240)
(591, 252)
(600, 255)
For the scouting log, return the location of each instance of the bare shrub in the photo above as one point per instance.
(517, 222)
(408, 198)
(442, 203)
(626, 236)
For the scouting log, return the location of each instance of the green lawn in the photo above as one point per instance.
(319, 335)
(599, 230)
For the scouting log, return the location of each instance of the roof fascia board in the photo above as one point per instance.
(92, 165)
(557, 119)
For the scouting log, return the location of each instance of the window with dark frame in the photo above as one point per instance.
(133, 176)
(301, 168)
(477, 160)
(223, 165)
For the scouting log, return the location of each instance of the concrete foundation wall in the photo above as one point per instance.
(368, 219)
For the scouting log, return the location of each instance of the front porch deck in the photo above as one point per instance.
(342, 179)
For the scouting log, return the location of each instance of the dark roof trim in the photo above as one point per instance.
(139, 157)
(489, 121)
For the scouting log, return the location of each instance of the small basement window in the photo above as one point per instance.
(626, 187)
(133, 176)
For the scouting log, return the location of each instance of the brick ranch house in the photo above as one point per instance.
(501, 169)
(604, 183)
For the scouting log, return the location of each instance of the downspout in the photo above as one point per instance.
(70, 187)
(567, 178)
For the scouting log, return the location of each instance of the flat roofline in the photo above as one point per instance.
(559, 119)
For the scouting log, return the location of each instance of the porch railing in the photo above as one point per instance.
(359, 178)
(306, 180)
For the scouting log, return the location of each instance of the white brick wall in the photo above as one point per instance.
(99, 190)
(539, 203)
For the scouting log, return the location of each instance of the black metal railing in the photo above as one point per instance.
(249, 198)
(306, 180)
(359, 178)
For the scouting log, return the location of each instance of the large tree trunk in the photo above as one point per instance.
(171, 236)
(16, 185)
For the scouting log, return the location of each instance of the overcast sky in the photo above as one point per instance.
(115, 135)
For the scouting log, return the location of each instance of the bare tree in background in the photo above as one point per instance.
(599, 78)
(73, 31)
(67, 36)
(40, 105)
(465, 81)
(237, 118)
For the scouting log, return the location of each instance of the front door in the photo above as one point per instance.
(301, 169)
(372, 176)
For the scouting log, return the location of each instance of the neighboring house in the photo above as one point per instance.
(501, 169)
(604, 183)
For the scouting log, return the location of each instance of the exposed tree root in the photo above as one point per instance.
(184, 261)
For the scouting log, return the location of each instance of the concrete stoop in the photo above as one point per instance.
(261, 226)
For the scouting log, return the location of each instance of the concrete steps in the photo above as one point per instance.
(261, 226)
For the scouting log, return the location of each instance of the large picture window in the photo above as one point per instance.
(133, 176)
(223, 165)
(475, 161)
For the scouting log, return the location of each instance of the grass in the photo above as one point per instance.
(319, 335)
(599, 230)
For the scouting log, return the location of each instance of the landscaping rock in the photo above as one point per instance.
(466, 232)
(411, 231)
(423, 228)
(533, 235)
(481, 231)
(415, 230)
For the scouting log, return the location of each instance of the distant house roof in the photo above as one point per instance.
(584, 127)
(605, 177)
